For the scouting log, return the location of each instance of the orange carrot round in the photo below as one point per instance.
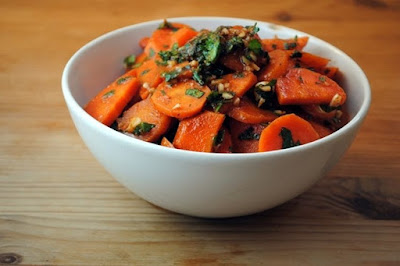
(285, 132)
(182, 100)
(302, 86)
(247, 112)
(245, 137)
(144, 121)
(297, 43)
(198, 133)
(277, 67)
(240, 82)
(111, 101)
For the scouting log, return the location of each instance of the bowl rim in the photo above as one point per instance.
(99, 127)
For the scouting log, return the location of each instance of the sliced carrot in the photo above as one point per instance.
(232, 61)
(143, 42)
(284, 44)
(330, 72)
(140, 59)
(182, 100)
(149, 74)
(285, 132)
(226, 145)
(245, 137)
(277, 67)
(166, 143)
(183, 35)
(322, 130)
(313, 61)
(111, 101)
(144, 121)
(240, 82)
(249, 113)
(198, 133)
(302, 86)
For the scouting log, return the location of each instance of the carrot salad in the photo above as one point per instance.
(223, 91)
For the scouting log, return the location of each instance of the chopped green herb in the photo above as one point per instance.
(287, 139)
(289, 45)
(123, 80)
(163, 92)
(274, 46)
(142, 128)
(249, 134)
(137, 65)
(216, 101)
(238, 75)
(219, 138)
(233, 43)
(108, 94)
(144, 72)
(171, 75)
(322, 78)
(130, 60)
(167, 25)
(253, 29)
(301, 79)
(165, 46)
(151, 53)
(255, 46)
(194, 93)
(296, 54)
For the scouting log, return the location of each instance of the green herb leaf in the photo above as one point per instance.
(123, 80)
(255, 46)
(322, 78)
(194, 93)
(219, 138)
(142, 128)
(151, 53)
(274, 46)
(171, 75)
(287, 139)
(289, 45)
(144, 72)
(167, 25)
(296, 54)
(108, 94)
(238, 75)
(249, 134)
(130, 60)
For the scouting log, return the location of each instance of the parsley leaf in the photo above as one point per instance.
(171, 75)
(219, 138)
(287, 139)
(249, 134)
(108, 94)
(194, 93)
(130, 60)
(142, 128)
(166, 25)
(123, 80)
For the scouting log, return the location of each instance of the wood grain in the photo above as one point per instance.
(59, 207)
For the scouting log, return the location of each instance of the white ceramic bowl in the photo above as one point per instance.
(204, 184)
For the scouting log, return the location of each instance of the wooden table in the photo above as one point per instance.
(59, 206)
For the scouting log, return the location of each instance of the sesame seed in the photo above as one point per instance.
(227, 95)
(253, 56)
(254, 66)
(245, 60)
(194, 63)
(336, 99)
(221, 87)
(134, 122)
(279, 112)
(260, 102)
(338, 114)
(146, 85)
(176, 106)
(236, 102)
(171, 63)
